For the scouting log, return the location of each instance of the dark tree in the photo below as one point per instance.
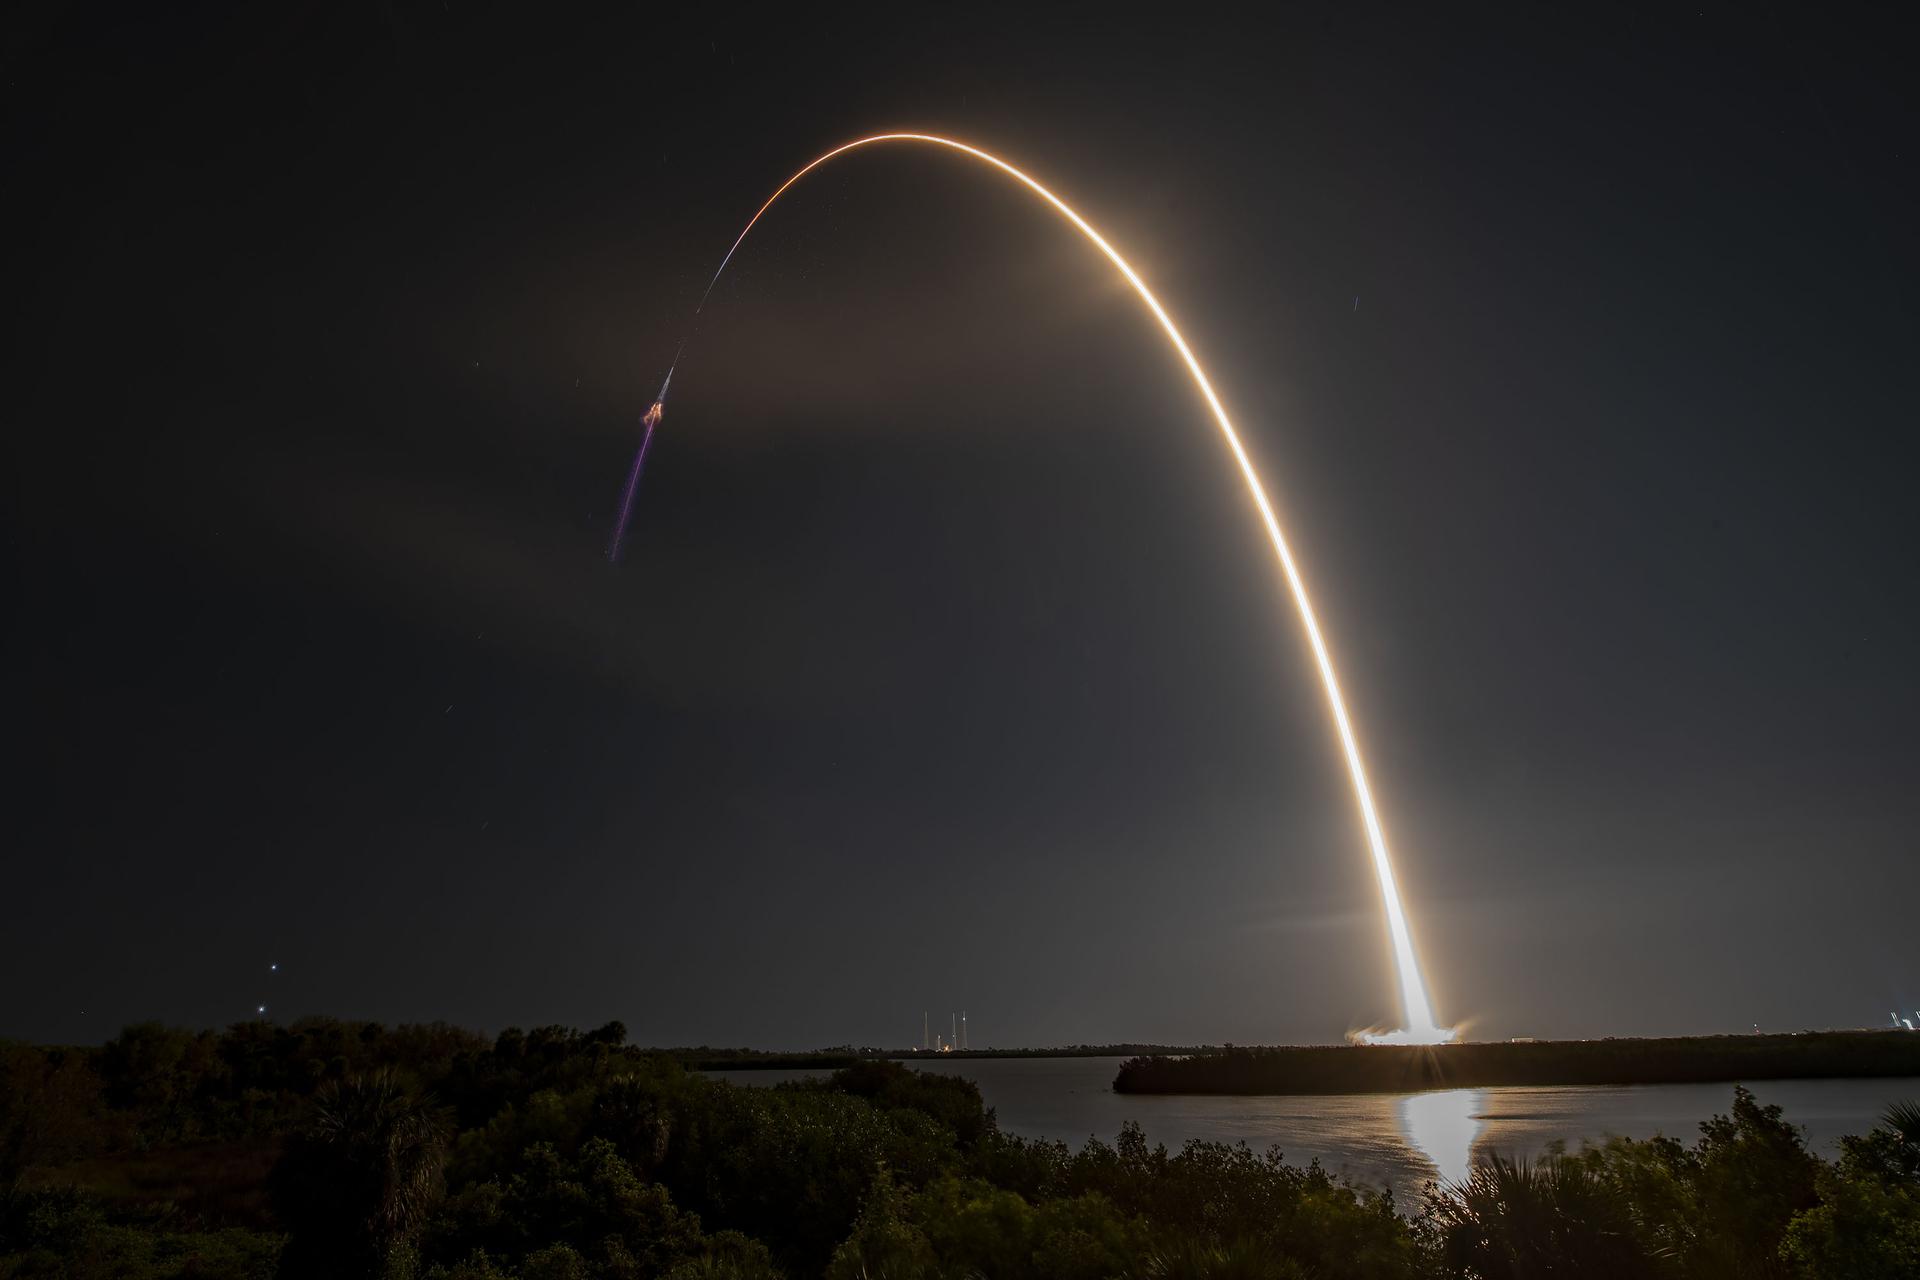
(356, 1183)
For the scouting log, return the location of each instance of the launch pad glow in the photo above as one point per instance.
(1419, 1026)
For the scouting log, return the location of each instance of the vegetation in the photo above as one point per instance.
(1403, 1068)
(706, 1058)
(427, 1153)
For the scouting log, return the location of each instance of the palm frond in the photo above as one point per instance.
(1904, 1119)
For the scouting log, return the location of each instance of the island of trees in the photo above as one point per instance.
(1405, 1068)
(346, 1150)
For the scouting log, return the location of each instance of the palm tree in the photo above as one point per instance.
(354, 1187)
(1904, 1119)
(1902, 1154)
(1515, 1220)
(1218, 1260)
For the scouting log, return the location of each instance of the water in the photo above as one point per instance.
(1402, 1141)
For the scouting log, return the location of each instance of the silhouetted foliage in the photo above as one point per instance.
(1404, 1068)
(65, 1233)
(1509, 1220)
(50, 1109)
(949, 1100)
(358, 1180)
(1867, 1223)
(549, 1154)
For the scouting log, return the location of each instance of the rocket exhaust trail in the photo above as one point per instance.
(651, 418)
(1417, 1011)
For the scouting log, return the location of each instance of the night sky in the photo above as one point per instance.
(948, 667)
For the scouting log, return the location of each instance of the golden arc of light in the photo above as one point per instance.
(1417, 1010)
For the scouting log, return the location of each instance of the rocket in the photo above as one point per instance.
(650, 419)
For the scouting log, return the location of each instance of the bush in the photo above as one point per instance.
(794, 1167)
(1867, 1224)
(62, 1233)
(947, 1100)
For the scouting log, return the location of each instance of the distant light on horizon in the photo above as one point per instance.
(1410, 1035)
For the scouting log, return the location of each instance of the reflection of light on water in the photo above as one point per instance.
(1441, 1125)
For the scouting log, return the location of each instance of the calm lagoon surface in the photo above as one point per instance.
(1402, 1141)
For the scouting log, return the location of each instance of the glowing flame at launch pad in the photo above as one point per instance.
(1419, 1026)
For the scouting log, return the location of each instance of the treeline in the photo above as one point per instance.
(708, 1059)
(1405, 1068)
(705, 1058)
(1058, 1051)
(429, 1153)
